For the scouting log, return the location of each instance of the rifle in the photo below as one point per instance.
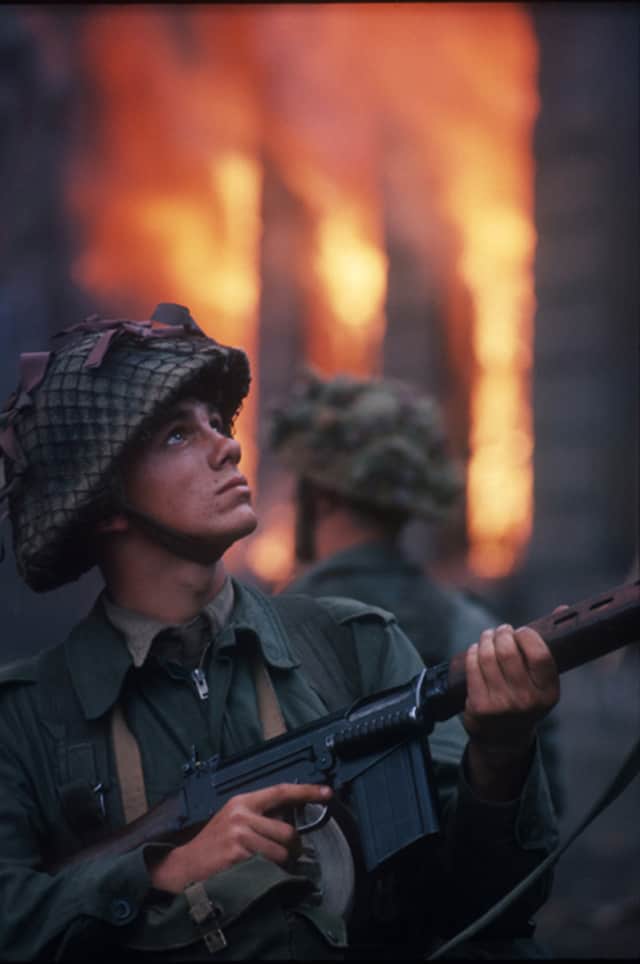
(374, 753)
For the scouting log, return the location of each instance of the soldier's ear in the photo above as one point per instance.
(326, 503)
(117, 522)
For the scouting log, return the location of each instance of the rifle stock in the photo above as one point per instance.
(378, 732)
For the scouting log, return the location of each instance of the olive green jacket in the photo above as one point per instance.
(106, 901)
(439, 620)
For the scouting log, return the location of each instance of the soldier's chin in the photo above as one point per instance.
(210, 549)
(245, 525)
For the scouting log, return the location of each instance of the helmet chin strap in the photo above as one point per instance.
(193, 548)
(305, 523)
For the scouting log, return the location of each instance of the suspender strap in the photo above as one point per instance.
(324, 647)
(629, 769)
(127, 752)
(128, 766)
(269, 710)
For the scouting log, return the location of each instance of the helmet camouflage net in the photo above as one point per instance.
(372, 441)
(77, 413)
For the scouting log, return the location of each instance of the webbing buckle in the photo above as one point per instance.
(202, 911)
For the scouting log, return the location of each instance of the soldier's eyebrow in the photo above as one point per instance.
(184, 408)
(181, 409)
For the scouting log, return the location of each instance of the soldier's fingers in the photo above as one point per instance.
(255, 843)
(491, 652)
(282, 794)
(278, 830)
(477, 690)
(541, 666)
(510, 658)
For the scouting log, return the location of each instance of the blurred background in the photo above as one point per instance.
(446, 193)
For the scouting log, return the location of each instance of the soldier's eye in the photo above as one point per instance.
(175, 435)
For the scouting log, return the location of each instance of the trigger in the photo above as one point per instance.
(315, 815)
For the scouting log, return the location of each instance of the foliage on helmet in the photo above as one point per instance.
(374, 441)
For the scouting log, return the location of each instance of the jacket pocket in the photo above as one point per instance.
(244, 915)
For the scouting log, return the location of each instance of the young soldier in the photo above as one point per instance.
(119, 452)
(369, 456)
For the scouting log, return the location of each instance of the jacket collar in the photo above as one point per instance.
(99, 659)
(372, 555)
(254, 614)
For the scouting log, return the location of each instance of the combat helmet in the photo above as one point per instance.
(373, 441)
(77, 412)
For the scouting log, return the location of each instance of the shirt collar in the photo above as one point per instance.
(139, 631)
(99, 657)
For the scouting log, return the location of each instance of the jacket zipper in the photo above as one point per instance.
(200, 683)
(199, 678)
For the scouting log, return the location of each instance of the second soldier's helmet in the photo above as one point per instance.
(80, 409)
(373, 441)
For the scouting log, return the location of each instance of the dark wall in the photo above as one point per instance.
(37, 296)
(586, 408)
(586, 372)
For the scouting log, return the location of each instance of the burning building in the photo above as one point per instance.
(442, 192)
(429, 191)
(171, 186)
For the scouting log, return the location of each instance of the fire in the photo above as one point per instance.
(169, 194)
(352, 269)
(270, 552)
(490, 200)
(350, 283)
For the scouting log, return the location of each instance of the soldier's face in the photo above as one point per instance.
(186, 476)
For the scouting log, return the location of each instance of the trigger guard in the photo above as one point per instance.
(313, 824)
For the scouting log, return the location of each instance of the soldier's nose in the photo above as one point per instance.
(223, 448)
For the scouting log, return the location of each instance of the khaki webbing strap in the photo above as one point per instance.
(205, 915)
(271, 717)
(128, 766)
(127, 751)
(326, 855)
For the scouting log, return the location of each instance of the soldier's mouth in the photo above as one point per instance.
(232, 483)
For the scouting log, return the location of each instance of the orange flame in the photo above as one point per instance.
(169, 192)
(462, 79)
(270, 551)
(347, 315)
(490, 201)
(340, 98)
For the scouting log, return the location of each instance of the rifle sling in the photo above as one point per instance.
(630, 768)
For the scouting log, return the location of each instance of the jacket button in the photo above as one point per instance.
(121, 910)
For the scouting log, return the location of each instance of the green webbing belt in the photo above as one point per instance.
(629, 769)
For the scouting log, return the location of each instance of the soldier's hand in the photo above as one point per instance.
(244, 826)
(512, 683)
